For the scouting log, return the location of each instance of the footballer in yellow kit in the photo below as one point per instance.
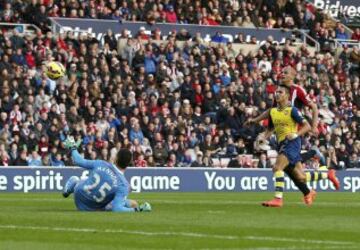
(284, 121)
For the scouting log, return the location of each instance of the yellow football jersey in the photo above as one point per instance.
(285, 121)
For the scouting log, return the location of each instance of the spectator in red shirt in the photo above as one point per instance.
(30, 59)
(43, 146)
(142, 35)
(199, 97)
(356, 35)
(171, 16)
(270, 86)
(140, 161)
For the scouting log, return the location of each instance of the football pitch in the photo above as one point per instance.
(183, 221)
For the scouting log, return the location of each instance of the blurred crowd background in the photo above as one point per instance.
(174, 106)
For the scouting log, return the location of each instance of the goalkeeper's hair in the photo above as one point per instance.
(124, 158)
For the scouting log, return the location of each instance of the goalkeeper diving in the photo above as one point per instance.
(106, 188)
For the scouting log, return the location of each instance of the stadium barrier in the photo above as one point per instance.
(22, 28)
(98, 29)
(236, 46)
(45, 179)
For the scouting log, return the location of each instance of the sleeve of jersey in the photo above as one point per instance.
(119, 204)
(303, 97)
(271, 124)
(81, 162)
(296, 115)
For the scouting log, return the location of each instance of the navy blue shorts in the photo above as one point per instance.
(291, 149)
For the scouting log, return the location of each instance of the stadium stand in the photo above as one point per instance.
(174, 102)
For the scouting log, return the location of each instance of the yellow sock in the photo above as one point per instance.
(316, 176)
(279, 184)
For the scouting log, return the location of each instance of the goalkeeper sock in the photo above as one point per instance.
(279, 184)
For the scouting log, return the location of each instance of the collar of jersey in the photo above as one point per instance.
(279, 109)
(116, 169)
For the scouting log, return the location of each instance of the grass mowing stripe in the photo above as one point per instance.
(199, 202)
(184, 234)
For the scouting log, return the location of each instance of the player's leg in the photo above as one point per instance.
(318, 175)
(131, 203)
(126, 203)
(302, 186)
(278, 170)
(314, 152)
(70, 186)
(300, 177)
(81, 201)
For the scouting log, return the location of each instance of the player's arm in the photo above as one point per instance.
(81, 162)
(315, 116)
(267, 134)
(305, 126)
(263, 116)
(71, 144)
(304, 98)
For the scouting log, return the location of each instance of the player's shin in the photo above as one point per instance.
(279, 184)
(70, 186)
(299, 184)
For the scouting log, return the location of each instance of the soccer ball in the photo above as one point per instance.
(55, 70)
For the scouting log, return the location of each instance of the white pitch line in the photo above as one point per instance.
(216, 212)
(285, 248)
(118, 231)
(298, 240)
(60, 199)
(184, 234)
(234, 202)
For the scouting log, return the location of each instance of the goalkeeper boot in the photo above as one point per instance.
(332, 177)
(145, 207)
(310, 197)
(276, 202)
(70, 186)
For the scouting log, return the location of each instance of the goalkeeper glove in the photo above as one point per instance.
(70, 143)
(145, 207)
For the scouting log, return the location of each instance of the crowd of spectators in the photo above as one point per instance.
(247, 13)
(284, 14)
(173, 106)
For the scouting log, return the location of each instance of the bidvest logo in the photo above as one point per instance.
(334, 8)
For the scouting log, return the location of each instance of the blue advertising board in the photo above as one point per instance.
(167, 180)
(350, 8)
(98, 28)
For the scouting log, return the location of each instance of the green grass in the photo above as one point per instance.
(183, 221)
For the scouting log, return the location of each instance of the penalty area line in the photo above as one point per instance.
(183, 234)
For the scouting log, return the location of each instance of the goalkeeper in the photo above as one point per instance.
(106, 188)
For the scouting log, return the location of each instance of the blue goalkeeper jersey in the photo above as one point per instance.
(105, 184)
